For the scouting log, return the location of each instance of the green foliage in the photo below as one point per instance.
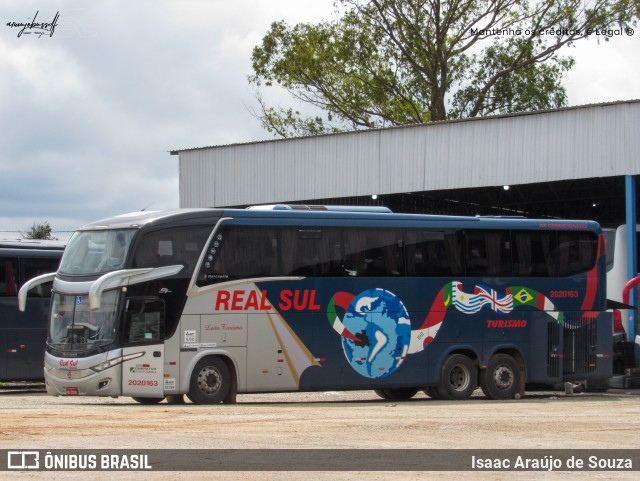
(40, 230)
(397, 62)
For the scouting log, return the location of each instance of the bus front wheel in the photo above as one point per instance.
(148, 400)
(210, 381)
(459, 378)
(501, 378)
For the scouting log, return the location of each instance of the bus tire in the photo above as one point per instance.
(400, 394)
(210, 381)
(175, 399)
(432, 392)
(501, 379)
(458, 379)
(148, 400)
(381, 393)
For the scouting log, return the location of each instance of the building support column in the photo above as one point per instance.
(632, 249)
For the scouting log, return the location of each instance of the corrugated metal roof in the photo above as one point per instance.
(467, 119)
(578, 142)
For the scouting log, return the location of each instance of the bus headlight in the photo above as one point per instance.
(114, 362)
(106, 365)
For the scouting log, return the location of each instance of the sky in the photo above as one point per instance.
(89, 114)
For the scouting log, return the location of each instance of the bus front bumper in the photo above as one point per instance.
(85, 382)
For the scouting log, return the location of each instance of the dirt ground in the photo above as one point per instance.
(341, 420)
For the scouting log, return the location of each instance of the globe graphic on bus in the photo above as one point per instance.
(380, 321)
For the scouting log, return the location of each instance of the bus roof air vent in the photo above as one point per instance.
(379, 209)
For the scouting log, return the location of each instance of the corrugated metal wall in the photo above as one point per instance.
(582, 142)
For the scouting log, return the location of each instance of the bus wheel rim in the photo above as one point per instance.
(459, 378)
(209, 380)
(503, 377)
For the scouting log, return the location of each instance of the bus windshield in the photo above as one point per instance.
(74, 327)
(96, 252)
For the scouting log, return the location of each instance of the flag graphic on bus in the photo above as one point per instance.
(375, 326)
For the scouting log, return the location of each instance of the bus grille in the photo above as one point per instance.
(580, 339)
(553, 348)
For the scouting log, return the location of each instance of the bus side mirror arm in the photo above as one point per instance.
(30, 284)
(127, 277)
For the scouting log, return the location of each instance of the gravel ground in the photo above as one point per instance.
(341, 420)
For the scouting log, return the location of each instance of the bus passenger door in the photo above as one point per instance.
(143, 372)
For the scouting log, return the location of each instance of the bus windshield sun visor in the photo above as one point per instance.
(30, 284)
(127, 277)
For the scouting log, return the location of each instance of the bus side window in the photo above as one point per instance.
(8, 277)
(144, 320)
(576, 253)
(238, 252)
(373, 253)
(172, 247)
(433, 253)
(248, 252)
(531, 256)
(165, 252)
(311, 252)
(522, 256)
(548, 254)
(354, 249)
(307, 255)
(35, 267)
(476, 254)
(488, 253)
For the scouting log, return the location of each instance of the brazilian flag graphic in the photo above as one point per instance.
(525, 296)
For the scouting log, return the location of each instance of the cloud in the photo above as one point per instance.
(89, 114)
(604, 70)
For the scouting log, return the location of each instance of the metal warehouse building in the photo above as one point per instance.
(578, 162)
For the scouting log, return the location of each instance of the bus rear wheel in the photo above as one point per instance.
(459, 378)
(401, 394)
(210, 381)
(501, 378)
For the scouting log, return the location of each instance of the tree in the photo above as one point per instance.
(397, 62)
(40, 230)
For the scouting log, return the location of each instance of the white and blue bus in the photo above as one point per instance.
(23, 335)
(215, 302)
